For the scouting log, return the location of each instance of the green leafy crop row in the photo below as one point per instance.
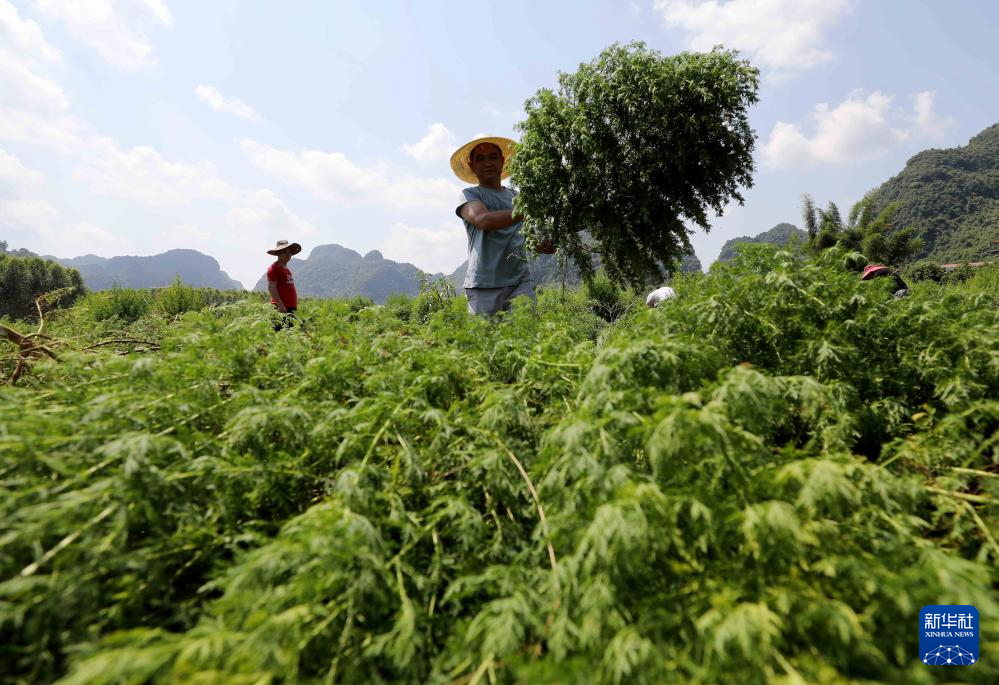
(761, 481)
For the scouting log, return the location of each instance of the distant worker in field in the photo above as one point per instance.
(659, 295)
(497, 258)
(280, 282)
(872, 271)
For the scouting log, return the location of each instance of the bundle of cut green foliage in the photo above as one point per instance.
(761, 481)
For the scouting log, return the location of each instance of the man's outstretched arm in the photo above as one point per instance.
(477, 214)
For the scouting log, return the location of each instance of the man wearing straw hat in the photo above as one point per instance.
(497, 260)
(280, 282)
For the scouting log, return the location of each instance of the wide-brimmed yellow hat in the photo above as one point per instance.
(459, 160)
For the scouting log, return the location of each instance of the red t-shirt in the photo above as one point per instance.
(285, 285)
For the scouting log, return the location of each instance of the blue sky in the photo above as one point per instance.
(136, 126)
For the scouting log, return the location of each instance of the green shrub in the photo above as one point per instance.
(855, 261)
(359, 302)
(571, 305)
(986, 282)
(435, 295)
(177, 298)
(607, 299)
(124, 304)
(400, 306)
(924, 270)
(960, 274)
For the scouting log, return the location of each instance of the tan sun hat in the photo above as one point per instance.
(282, 244)
(459, 160)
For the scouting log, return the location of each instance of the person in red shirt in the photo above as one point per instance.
(280, 282)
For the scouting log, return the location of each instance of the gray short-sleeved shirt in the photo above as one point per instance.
(496, 259)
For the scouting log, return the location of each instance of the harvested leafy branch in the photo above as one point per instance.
(629, 150)
(761, 482)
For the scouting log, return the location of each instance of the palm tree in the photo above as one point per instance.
(865, 231)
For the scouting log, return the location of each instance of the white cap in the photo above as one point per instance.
(658, 295)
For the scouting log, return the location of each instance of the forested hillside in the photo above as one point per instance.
(951, 198)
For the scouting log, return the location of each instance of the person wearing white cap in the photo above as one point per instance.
(497, 259)
(280, 282)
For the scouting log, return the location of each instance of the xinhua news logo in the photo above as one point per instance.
(948, 635)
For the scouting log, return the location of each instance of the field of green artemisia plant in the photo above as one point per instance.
(762, 481)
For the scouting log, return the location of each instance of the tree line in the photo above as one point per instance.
(25, 277)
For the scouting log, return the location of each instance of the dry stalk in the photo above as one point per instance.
(27, 345)
(150, 344)
(548, 539)
(26, 349)
(541, 513)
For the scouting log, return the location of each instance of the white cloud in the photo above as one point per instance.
(435, 195)
(27, 214)
(16, 178)
(436, 145)
(332, 176)
(185, 235)
(37, 225)
(33, 222)
(86, 238)
(221, 103)
(116, 29)
(189, 235)
(141, 174)
(506, 117)
(783, 37)
(327, 175)
(927, 121)
(25, 89)
(61, 131)
(33, 106)
(265, 217)
(865, 126)
(24, 36)
(433, 250)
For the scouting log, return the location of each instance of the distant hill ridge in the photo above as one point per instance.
(193, 268)
(336, 271)
(781, 234)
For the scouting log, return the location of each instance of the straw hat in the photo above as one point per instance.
(459, 160)
(282, 244)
